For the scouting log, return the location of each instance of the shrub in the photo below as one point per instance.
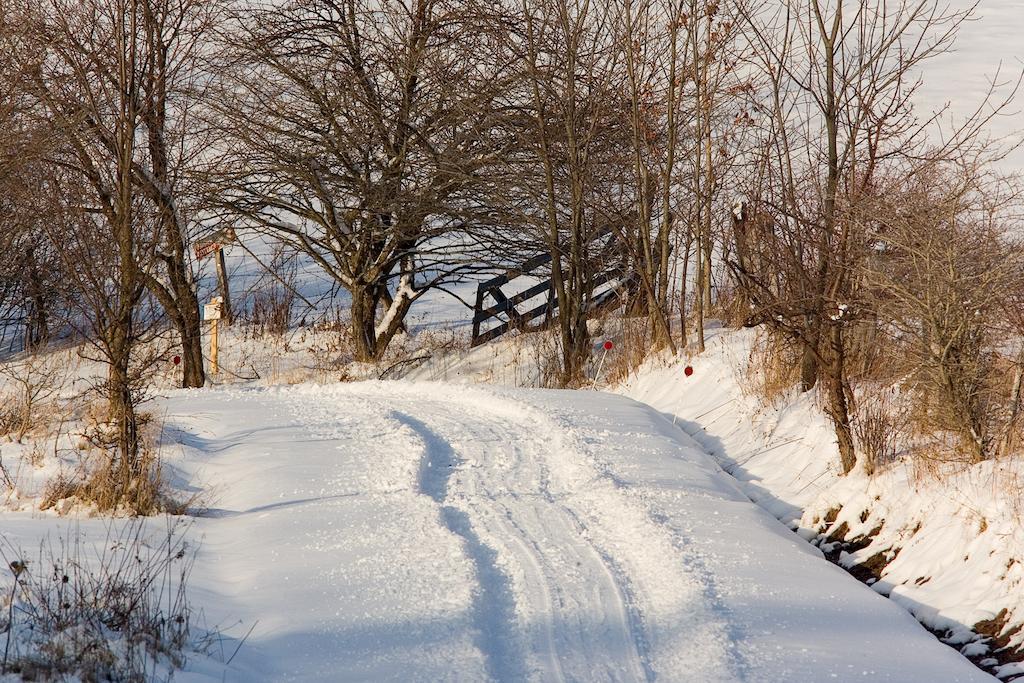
(33, 383)
(110, 484)
(119, 615)
(879, 427)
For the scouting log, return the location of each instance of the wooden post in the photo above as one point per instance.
(222, 276)
(214, 245)
(213, 312)
(213, 348)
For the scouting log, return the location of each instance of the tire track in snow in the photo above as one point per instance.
(630, 608)
(696, 563)
(598, 636)
(384, 591)
(576, 580)
(527, 554)
(494, 609)
(656, 576)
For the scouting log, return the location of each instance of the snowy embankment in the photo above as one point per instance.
(949, 550)
(395, 531)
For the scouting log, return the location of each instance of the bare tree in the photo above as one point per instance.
(356, 132)
(685, 94)
(175, 35)
(26, 269)
(646, 29)
(941, 276)
(836, 115)
(712, 33)
(82, 69)
(29, 269)
(86, 73)
(573, 154)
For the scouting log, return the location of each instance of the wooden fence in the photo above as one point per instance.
(492, 303)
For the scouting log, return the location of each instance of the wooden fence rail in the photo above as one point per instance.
(505, 307)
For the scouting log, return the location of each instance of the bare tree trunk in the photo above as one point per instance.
(37, 331)
(568, 134)
(190, 329)
(189, 324)
(809, 359)
(837, 391)
(683, 324)
(1008, 441)
(652, 255)
(178, 295)
(363, 323)
(121, 404)
(966, 412)
(698, 293)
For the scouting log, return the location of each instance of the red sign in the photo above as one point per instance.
(214, 242)
(688, 371)
(204, 249)
(177, 360)
(608, 346)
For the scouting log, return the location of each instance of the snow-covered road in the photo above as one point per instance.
(425, 532)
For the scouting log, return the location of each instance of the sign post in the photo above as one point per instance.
(214, 244)
(214, 346)
(222, 277)
(213, 312)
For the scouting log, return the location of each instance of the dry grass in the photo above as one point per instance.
(632, 347)
(730, 306)
(118, 613)
(773, 368)
(105, 484)
(545, 353)
(107, 487)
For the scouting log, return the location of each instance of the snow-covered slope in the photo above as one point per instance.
(947, 548)
(987, 51)
(424, 532)
(783, 455)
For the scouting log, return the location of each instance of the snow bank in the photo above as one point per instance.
(948, 548)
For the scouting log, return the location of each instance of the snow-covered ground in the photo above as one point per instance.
(415, 530)
(424, 532)
(947, 548)
(988, 50)
(432, 531)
